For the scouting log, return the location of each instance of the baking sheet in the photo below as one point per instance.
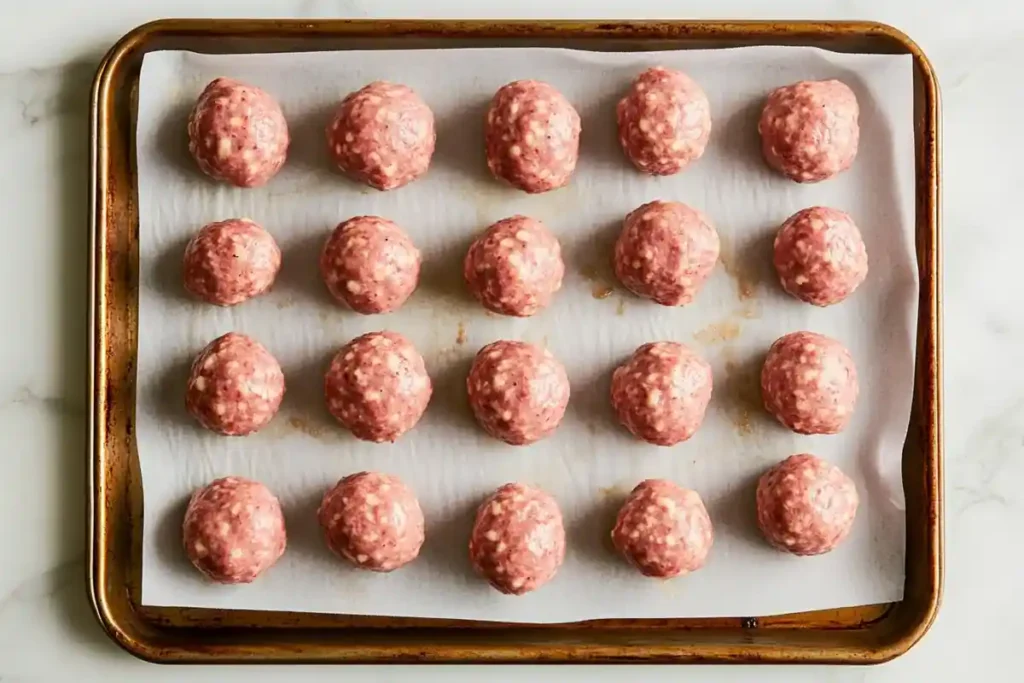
(590, 463)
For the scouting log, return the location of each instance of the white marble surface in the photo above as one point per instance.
(48, 52)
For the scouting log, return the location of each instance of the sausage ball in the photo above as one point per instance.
(373, 520)
(237, 133)
(666, 252)
(382, 135)
(820, 256)
(809, 130)
(515, 267)
(235, 386)
(518, 391)
(664, 121)
(809, 383)
(377, 386)
(805, 505)
(370, 264)
(230, 261)
(661, 393)
(518, 539)
(663, 529)
(233, 530)
(532, 136)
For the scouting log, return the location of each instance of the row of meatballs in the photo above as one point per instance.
(665, 252)
(377, 387)
(234, 528)
(383, 134)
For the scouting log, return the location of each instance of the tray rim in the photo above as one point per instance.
(928, 200)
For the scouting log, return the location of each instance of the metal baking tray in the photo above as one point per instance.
(860, 635)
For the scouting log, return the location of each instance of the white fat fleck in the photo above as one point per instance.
(361, 559)
(353, 287)
(235, 122)
(223, 147)
(491, 535)
(496, 508)
(219, 408)
(518, 582)
(372, 499)
(653, 397)
(223, 529)
(200, 383)
(236, 553)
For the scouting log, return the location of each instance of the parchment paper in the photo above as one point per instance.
(590, 463)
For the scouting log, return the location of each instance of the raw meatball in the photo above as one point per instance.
(809, 383)
(666, 252)
(370, 264)
(809, 130)
(377, 386)
(661, 393)
(231, 261)
(382, 135)
(237, 133)
(515, 267)
(235, 386)
(233, 530)
(664, 121)
(373, 520)
(532, 136)
(518, 391)
(518, 540)
(663, 529)
(805, 505)
(820, 256)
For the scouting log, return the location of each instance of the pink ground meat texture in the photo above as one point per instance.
(518, 539)
(238, 134)
(661, 393)
(233, 530)
(370, 264)
(663, 529)
(515, 267)
(664, 121)
(235, 386)
(809, 383)
(382, 135)
(805, 505)
(666, 252)
(377, 386)
(373, 520)
(532, 135)
(518, 391)
(809, 130)
(820, 256)
(230, 261)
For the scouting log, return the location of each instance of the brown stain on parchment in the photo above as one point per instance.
(303, 425)
(742, 387)
(740, 270)
(621, 308)
(616, 492)
(460, 334)
(717, 333)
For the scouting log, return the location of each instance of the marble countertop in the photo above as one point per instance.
(48, 54)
